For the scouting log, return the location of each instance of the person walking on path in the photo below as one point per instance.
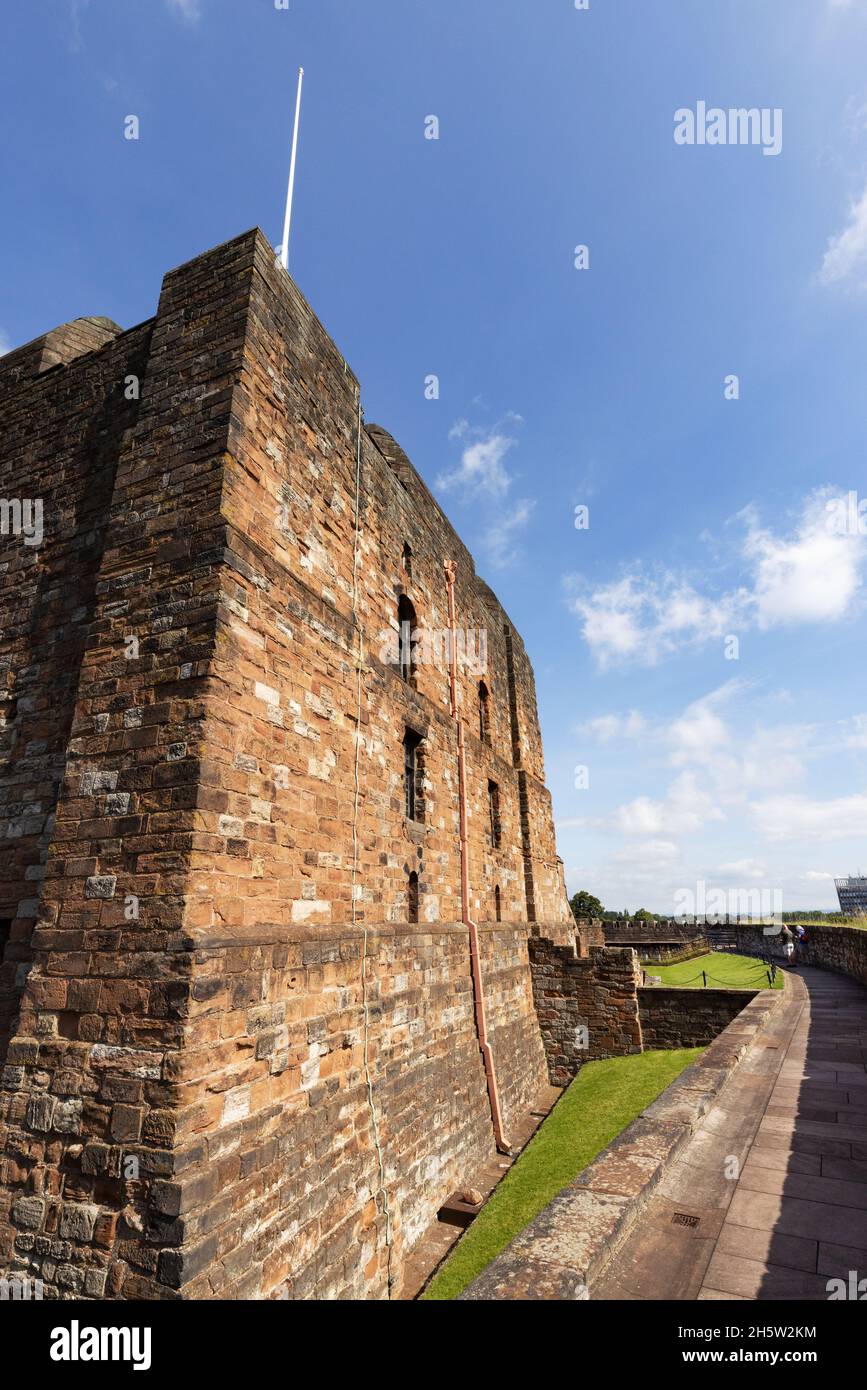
(788, 943)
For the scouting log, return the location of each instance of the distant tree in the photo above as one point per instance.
(585, 905)
(642, 915)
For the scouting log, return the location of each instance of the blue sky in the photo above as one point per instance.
(709, 517)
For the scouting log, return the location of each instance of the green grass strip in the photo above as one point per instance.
(724, 971)
(603, 1099)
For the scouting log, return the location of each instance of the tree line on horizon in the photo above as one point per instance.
(585, 905)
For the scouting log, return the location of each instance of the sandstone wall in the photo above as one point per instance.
(843, 949)
(587, 1006)
(647, 937)
(91, 1101)
(62, 431)
(672, 1018)
(239, 1069)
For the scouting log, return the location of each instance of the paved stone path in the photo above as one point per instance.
(794, 1116)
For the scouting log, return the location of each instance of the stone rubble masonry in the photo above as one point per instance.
(672, 1018)
(842, 949)
(586, 999)
(653, 940)
(184, 1037)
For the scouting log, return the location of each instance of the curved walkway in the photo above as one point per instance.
(769, 1198)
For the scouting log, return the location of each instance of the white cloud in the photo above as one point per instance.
(686, 808)
(190, 11)
(845, 259)
(799, 818)
(499, 538)
(735, 762)
(855, 732)
(76, 9)
(481, 477)
(744, 868)
(811, 577)
(700, 732)
(643, 619)
(5, 344)
(607, 727)
(813, 574)
(481, 467)
(729, 782)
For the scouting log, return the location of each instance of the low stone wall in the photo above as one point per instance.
(673, 1018)
(843, 949)
(587, 1006)
(666, 955)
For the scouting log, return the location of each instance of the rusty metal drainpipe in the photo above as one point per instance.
(502, 1143)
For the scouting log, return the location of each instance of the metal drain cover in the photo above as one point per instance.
(682, 1218)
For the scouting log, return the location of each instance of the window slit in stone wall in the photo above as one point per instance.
(406, 620)
(498, 906)
(407, 561)
(494, 813)
(411, 775)
(484, 714)
(412, 898)
(513, 696)
(8, 710)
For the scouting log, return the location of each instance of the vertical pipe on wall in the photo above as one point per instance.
(478, 984)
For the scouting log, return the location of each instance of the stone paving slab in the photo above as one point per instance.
(836, 1260)
(787, 1161)
(850, 1169)
(791, 1252)
(797, 1216)
(802, 1143)
(755, 1178)
(753, 1279)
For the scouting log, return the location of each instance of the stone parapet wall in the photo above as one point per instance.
(672, 1018)
(662, 955)
(843, 949)
(587, 1006)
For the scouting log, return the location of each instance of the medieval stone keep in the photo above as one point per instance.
(274, 828)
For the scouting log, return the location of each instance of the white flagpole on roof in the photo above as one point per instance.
(284, 250)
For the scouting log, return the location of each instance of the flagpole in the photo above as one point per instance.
(284, 251)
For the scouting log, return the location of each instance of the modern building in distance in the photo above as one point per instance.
(852, 893)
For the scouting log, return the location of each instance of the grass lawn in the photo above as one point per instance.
(603, 1099)
(724, 971)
